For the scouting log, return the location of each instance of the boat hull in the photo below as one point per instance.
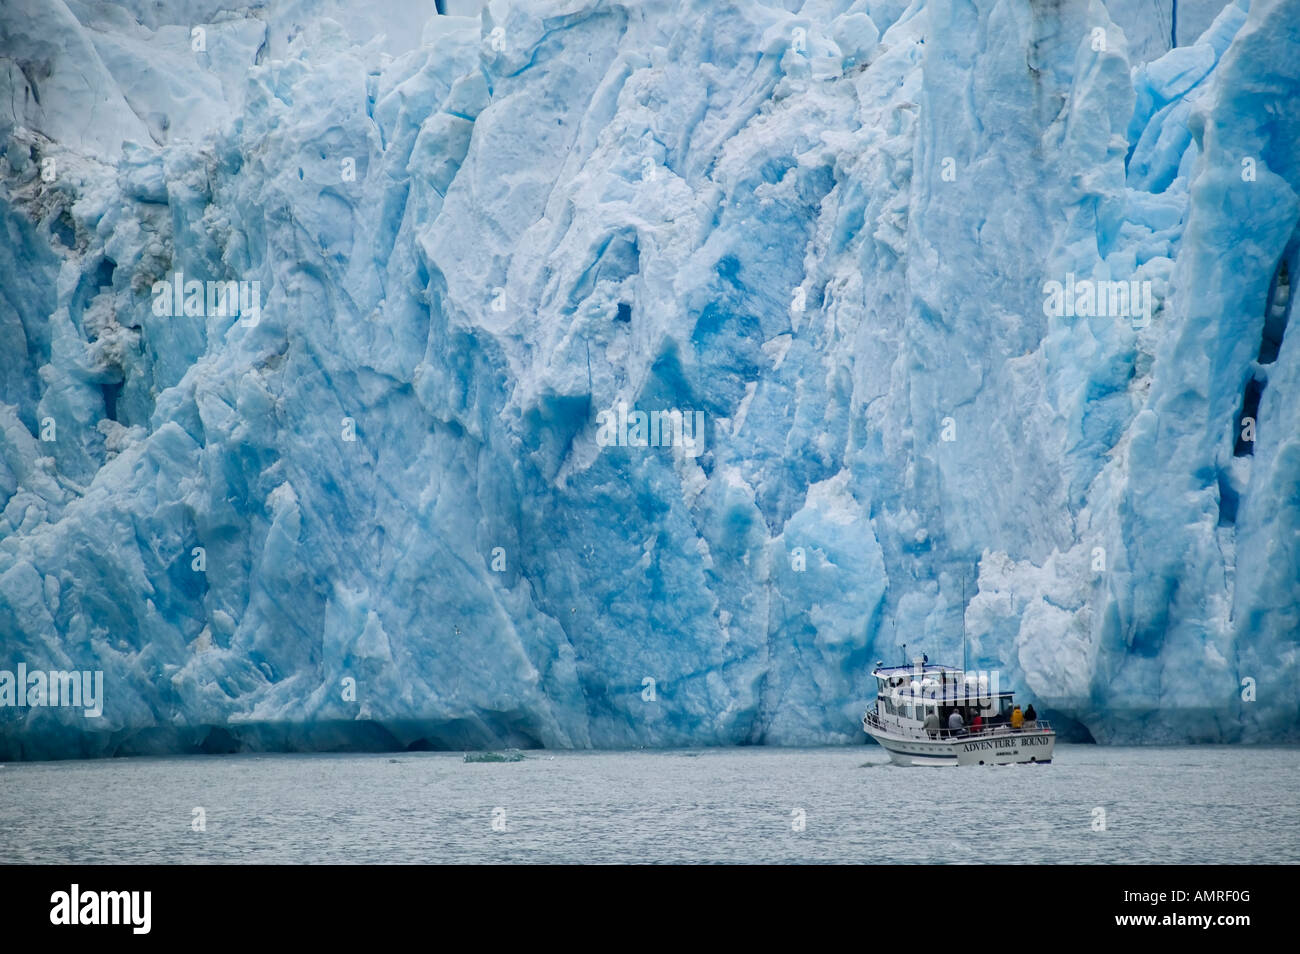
(1002, 749)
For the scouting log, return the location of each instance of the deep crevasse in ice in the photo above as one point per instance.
(828, 230)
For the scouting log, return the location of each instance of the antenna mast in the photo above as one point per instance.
(964, 667)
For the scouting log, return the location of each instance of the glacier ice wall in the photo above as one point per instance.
(381, 511)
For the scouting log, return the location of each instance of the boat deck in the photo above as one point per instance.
(963, 734)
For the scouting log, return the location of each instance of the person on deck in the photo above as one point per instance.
(1031, 718)
(1017, 719)
(977, 723)
(932, 723)
(955, 723)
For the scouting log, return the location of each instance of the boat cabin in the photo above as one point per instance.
(908, 694)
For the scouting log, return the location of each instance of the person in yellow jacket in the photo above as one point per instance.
(1017, 719)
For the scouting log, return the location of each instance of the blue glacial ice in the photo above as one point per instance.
(375, 510)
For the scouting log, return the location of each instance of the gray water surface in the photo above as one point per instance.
(1187, 804)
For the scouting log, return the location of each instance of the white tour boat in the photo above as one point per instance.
(909, 694)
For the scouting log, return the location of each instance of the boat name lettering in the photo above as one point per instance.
(1001, 743)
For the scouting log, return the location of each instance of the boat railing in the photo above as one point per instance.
(966, 732)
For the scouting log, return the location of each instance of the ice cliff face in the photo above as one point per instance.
(383, 503)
